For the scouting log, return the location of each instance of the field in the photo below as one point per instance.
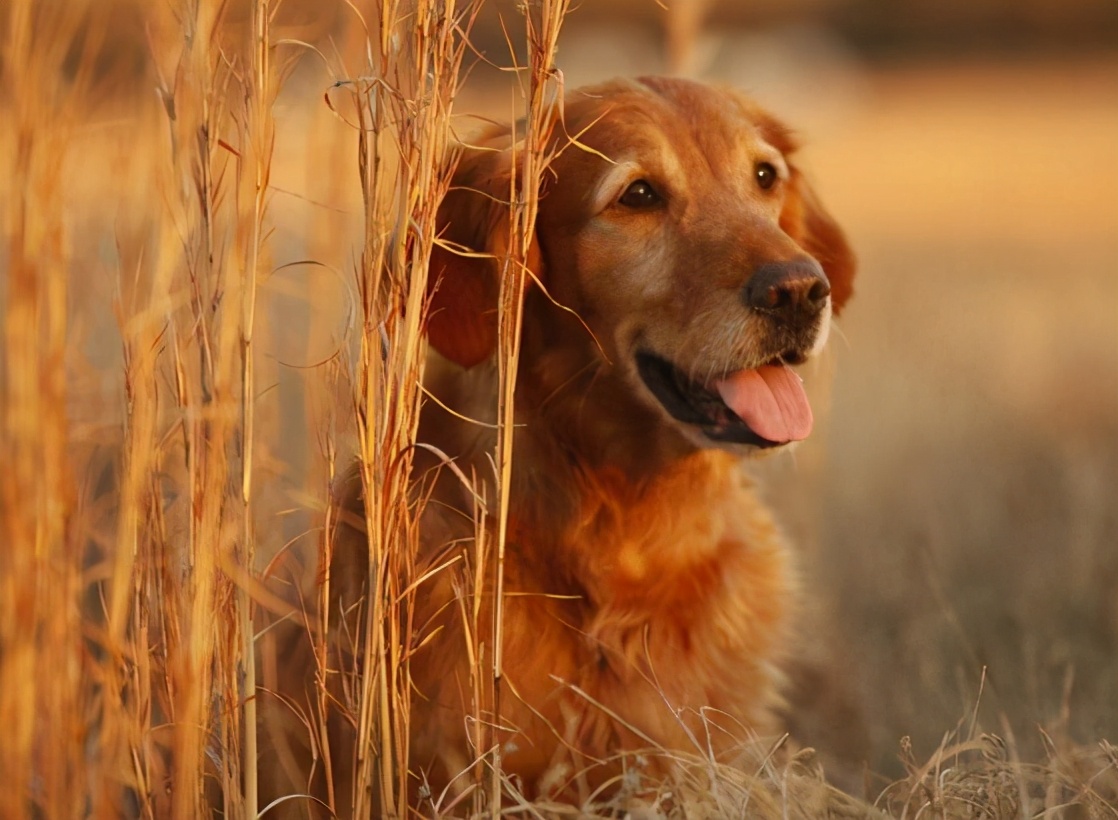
(963, 512)
(196, 286)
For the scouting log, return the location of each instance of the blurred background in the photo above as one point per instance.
(957, 516)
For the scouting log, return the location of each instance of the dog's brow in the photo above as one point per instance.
(652, 155)
(775, 158)
(618, 174)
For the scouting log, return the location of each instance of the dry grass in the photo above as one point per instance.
(145, 621)
(212, 299)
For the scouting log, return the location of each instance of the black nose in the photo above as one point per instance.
(788, 289)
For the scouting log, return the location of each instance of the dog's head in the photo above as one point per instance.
(677, 227)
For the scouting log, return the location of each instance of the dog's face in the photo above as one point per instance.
(679, 231)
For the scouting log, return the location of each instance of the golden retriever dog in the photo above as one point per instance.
(685, 268)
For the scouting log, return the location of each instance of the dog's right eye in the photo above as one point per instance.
(640, 195)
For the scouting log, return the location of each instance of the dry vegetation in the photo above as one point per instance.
(179, 393)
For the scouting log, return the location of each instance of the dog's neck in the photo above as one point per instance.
(608, 491)
(612, 463)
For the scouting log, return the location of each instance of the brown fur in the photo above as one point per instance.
(641, 568)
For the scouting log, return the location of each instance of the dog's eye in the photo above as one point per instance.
(640, 195)
(766, 175)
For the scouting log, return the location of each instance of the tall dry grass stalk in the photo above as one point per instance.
(545, 96)
(43, 705)
(404, 103)
(197, 310)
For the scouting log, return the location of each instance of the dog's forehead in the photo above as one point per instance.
(626, 118)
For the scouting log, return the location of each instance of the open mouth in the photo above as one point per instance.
(765, 406)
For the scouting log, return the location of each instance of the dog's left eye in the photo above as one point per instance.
(640, 194)
(766, 175)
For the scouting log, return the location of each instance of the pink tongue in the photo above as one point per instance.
(771, 400)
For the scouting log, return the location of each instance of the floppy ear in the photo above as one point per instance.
(809, 224)
(463, 286)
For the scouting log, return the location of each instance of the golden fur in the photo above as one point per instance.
(648, 590)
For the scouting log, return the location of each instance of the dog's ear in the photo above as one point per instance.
(463, 282)
(806, 220)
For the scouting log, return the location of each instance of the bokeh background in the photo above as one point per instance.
(957, 515)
